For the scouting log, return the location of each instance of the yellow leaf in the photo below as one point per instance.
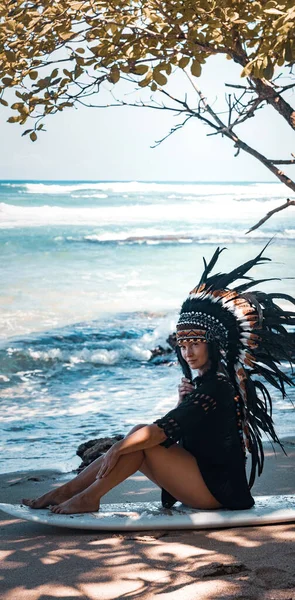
(144, 82)
(273, 11)
(66, 35)
(14, 119)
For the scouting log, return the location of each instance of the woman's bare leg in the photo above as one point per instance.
(71, 488)
(89, 500)
(67, 490)
(173, 468)
(177, 471)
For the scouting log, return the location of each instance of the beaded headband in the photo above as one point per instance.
(211, 329)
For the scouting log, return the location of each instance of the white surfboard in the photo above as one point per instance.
(151, 515)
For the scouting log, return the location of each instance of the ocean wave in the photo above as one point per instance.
(96, 348)
(89, 195)
(101, 356)
(197, 213)
(30, 357)
(205, 236)
(175, 189)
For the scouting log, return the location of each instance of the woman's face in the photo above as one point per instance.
(195, 353)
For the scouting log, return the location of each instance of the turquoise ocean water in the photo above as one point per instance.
(92, 276)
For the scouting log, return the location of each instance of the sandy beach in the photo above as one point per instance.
(40, 562)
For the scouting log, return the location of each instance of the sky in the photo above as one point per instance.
(115, 143)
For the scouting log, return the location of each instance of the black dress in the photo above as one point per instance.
(206, 425)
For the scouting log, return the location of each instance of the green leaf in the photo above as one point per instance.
(159, 77)
(10, 56)
(26, 132)
(140, 69)
(7, 81)
(184, 61)
(33, 75)
(196, 68)
(114, 74)
(269, 70)
(289, 51)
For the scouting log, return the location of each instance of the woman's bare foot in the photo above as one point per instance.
(51, 498)
(81, 503)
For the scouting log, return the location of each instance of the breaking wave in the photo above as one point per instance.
(175, 189)
(195, 212)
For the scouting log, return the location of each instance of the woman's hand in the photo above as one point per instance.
(185, 387)
(109, 461)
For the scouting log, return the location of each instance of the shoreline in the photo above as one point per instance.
(287, 441)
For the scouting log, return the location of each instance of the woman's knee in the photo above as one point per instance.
(136, 428)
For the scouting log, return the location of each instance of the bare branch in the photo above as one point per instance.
(283, 162)
(238, 87)
(286, 87)
(172, 130)
(272, 212)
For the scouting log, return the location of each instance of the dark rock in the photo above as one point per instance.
(159, 351)
(171, 340)
(92, 449)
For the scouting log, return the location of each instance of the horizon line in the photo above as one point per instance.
(138, 181)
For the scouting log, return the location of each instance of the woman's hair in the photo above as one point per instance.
(214, 356)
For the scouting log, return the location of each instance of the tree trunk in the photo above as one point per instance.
(265, 90)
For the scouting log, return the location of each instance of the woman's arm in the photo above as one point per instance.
(145, 437)
(185, 387)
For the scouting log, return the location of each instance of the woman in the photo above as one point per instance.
(196, 453)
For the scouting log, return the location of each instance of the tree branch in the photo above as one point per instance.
(265, 90)
(272, 212)
(239, 144)
(283, 162)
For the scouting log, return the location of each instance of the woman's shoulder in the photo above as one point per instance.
(214, 385)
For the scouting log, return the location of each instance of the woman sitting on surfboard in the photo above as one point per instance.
(197, 452)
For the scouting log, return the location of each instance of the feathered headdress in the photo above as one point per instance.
(249, 329)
